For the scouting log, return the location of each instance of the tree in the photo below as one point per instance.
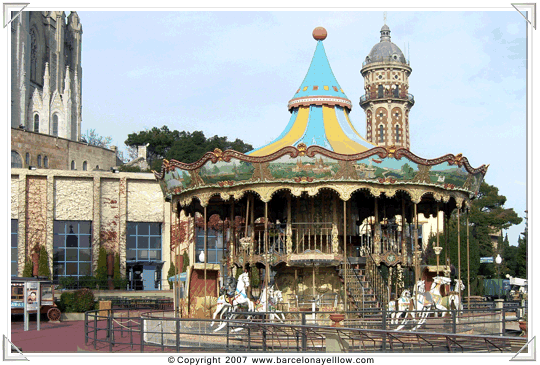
(182, 146)
(94, 139)
(27, 271)
(171, 272)
(522, 254)
(186, 261)
(43, 268)
(101, 272)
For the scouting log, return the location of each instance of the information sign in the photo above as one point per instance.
(486, 260)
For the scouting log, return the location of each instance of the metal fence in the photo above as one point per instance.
(161, 331)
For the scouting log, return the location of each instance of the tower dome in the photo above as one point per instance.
(385, 50)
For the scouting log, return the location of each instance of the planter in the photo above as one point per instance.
(523, 326)
(336, 318)
(72, 317)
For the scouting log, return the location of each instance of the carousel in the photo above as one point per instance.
(321, 210)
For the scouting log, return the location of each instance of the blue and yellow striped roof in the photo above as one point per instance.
(319, 113)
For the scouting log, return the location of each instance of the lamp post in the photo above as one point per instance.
(498, 261)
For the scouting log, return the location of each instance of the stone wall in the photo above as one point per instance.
(39, 197)
(60, 151)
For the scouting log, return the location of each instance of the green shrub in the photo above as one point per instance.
(186, 261)
(27, 272)
(67, 282)
(43, 263)
(67, 301)
(119, 282)
(84, 300)
(101, 272)
(172, 272)
(87, 282)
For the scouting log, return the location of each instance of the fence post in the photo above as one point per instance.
(228, 333)
(384, 328)
(304, 335)
(503, 321)
(454, 322)
(142, 334)
(499, 307)
(95, 329)
(177, 335)
(86, 328)
(111, 333)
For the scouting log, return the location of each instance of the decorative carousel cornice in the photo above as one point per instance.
(383, 152)
(319, 100)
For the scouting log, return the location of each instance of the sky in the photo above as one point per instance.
(231, 73)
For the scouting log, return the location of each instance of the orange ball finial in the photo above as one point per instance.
(319, 34)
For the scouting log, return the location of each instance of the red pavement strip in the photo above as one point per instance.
(53, 337)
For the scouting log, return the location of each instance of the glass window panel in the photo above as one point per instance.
(59, 241)
(211, 242)
(143, 229)
(71, 254)
(59, 255)
(72, 241)
(155, 229)
(13, 240)
(71, 268)
(131, 229)
(219, 256)
(72, 227)
(85, 268)
(220, 241)
(212, 258)
(155, 242)
(58, 269)
(154, 255)
(14, 226)
(14, 254)
(142, 242)
(131, 242)
(85, 255)
(59, 227)
(130, 255)
(85, 227)
(13, 269)
(200, 243)
(84, 241)
(142, 255)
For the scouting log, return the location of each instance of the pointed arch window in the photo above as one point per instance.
(396, 92)
(46, 162)
(16, 160)
(380, 91)
(381, 133)
(397, 132)
(36, 123)
(73, 165)
(55, 125)
(39, 160)
(27, 159)
(33, 55)
(85, 166)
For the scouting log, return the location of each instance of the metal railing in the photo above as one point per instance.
(377, 282)
(358, 283)
(312, 237)
(375, 95)
(117, 330)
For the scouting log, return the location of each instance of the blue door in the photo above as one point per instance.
(148, 277)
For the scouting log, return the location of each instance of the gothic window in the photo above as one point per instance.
(85, 166)
(46, 162)
(27, 159)
(33, 55)
(381, 133)
(73, 165)
(39, 160)
(397, 132)
(396, 92)
(380, 92)
(36, 123)
(55, 125)
(16, 160)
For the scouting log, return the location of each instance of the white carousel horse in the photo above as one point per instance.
(274, 297)
(453, 299)
(240, 298)
(425, 302)
(399, 306)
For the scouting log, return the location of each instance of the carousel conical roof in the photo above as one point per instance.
(319, 112)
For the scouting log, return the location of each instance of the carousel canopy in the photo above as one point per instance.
(320, 112)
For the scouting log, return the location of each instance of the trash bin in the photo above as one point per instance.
(103, 306)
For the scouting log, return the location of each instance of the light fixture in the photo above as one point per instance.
(498, 259)
(32, 168)
(114, 171)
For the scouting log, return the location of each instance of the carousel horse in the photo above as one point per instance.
(274, 297)
(425, 302)
(453, 299)
(398, 307)
(240, 298)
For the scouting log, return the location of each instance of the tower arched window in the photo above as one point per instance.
(73, 165)
(85, 166)
(55, 125)
(381, 133)
(397, 132)
(380, 91)
(396, 92)
(39, 160)
(16, 160)
(36, 123)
